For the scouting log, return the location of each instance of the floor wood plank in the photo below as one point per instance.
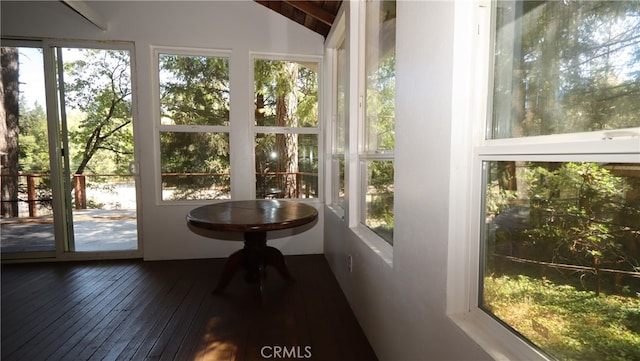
(164, 310)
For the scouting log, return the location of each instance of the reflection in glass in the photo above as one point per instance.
(565, 67)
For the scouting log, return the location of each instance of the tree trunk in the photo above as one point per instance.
(596, 266)
(260, 161)
(281, 145)
(259, 112)
(9, 129)
(548, 83)
(287, 144)
(507, 176)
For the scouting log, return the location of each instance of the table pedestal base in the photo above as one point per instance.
(254, 257)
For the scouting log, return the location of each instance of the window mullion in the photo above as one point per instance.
(379, 155)
(518, 146)
(286, 130)
(194, 128)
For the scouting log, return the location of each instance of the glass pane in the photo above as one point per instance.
(195, 165)
(286, 93)
(565, 67)
(342, 87)
(286, 165)
(194, 90)
(338, 165)
(337, 172)
(98, 98)
(27, 217)
(109, 208)
(379, 198)
(561, 257)
(380, 67)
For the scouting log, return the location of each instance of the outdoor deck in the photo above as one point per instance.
(91, 225)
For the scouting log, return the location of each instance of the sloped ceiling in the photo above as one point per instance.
(312, 14)
(316, 15)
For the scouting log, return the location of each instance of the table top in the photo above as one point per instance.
(252, 216)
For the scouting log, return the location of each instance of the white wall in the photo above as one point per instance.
(239, 26)
(402, 307)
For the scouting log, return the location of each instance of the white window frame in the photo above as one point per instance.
(472, 63)
(156, 51)
(335, 40)
(350, 29)
(254, 129)
(357, 156)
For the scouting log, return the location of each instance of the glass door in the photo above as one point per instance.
(69, 176)
(97, 149)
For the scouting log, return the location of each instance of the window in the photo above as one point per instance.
(378, 138)
(560, 170)
(194, 125)
(339, 126)
(286, 128)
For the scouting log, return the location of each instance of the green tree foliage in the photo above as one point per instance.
(583, 217)
(34, 150)
(194, 90)
(99, 87)
(577, 67)
(381, 105)
(580, 207)
(381, 92)
(577, 213)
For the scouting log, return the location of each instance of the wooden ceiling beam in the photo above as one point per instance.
(314, 11)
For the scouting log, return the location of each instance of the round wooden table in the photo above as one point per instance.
(254, 218)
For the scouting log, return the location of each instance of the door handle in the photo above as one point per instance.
(134, 168)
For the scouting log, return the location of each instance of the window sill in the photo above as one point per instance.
(378, 245)
(337, 210)
(499, 342)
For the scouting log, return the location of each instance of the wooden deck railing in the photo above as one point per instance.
(31, 191)
(29, 186)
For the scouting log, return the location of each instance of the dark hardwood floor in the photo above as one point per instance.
(164, 310)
